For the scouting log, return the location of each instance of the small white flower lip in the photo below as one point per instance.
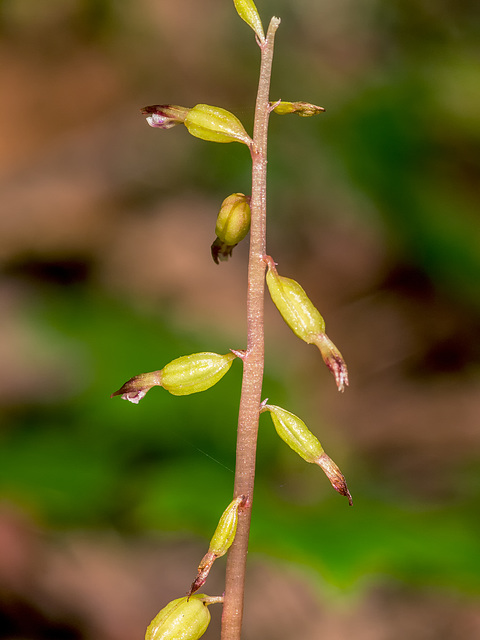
(158, 121)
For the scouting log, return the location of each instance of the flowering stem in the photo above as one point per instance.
(253, 362)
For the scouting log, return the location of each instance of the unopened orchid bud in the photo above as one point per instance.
(303, 109)
(247, 10)
(295, 306)
(216, 125)
(181, 377)
(194, 373)
(296, 434)
(185, 618)
(305, 320)
(165, 116)
(220, 543)
(233, 224)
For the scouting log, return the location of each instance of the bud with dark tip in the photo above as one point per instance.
(233, 224)
(165, 116)
(296, 434)
(305, 320)
(220, 543)
(303, 109)
(181, 377)
(185, 618)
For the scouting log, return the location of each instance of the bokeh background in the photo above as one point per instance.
(105, 227)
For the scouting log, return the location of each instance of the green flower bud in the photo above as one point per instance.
(305, 320)
(220, 543)
(165, 116)
(247, 10)
(295, 306)
(226, 529)
(185, 375)
(296, 434)
(233, 224)
(216, 125)
(194, 373)
(185, 618)
(303, 109)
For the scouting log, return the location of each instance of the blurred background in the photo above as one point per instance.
(106, 508)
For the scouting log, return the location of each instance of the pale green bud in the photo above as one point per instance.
(194, 373)
(227, 527)
(305, 320)
(216, 125)
(185, 375)
(220, 543)
(247, 10)
(233, 224)
(185, 618)
(295, 306)
(303, 109)
(296, 434)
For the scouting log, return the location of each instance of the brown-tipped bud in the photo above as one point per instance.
(333, 359)
(220, 543)
(195, 373)
(303, 109)
(233, 224)
(247, 10)
(216, 125)
(165, 116)
(181, 377)
(305, 320)
(185, 618)
(135, 389)
(336, 477)
(296, 434)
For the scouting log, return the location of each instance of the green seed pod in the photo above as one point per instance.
(216, 125)
(295, 306)
(295, 433)
(194, 373)
(305, 320)
(185, 618)
(303, 109)
(233, 224)
(247, 10)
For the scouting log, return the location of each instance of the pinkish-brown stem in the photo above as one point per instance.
(253, 362)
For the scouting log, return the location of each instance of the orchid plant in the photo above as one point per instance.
(188, 617)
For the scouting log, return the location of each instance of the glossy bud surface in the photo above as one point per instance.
(182, 619)
(216, 125)
(195, 373)
(247, 10)
(295, 306)
(295, 433)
